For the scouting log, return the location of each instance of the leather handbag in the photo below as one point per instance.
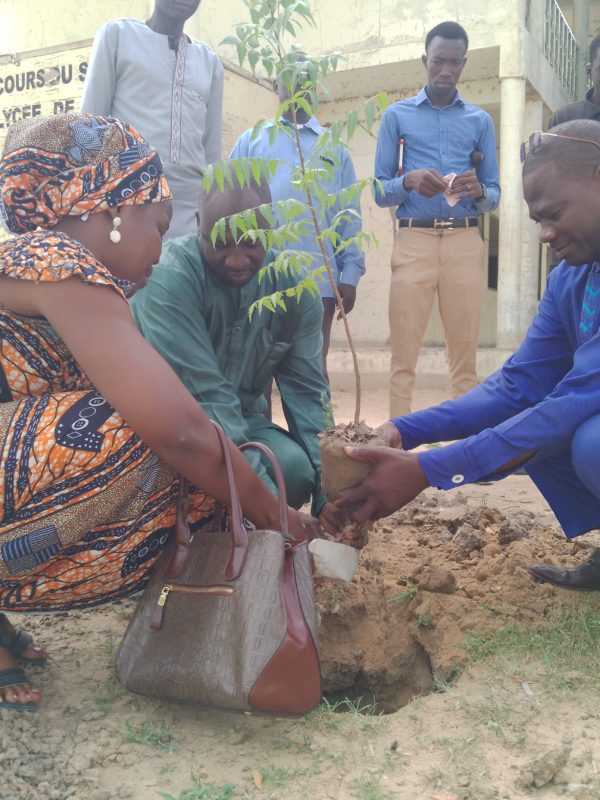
(228, 619)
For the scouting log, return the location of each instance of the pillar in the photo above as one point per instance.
(581, 31)
(530, 246)
(512, 111)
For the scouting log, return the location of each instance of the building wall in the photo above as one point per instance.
(30, 24)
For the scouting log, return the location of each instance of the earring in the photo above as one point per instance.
(115, 236)
(85, 217)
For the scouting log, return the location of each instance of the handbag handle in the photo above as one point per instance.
(284, 524)
(239, 537)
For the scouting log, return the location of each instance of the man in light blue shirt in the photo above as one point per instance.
(540, 411)
(436, 161)
(347, 264)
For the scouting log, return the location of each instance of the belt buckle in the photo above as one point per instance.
(443, 223)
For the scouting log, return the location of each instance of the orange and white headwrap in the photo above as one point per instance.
(73, 164)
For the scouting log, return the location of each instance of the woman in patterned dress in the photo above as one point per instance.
(94, 426)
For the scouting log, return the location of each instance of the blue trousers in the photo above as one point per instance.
(570, 480)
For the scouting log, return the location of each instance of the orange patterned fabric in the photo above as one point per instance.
(86, 164)
(85, 507)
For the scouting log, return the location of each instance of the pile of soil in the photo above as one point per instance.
(432, 574)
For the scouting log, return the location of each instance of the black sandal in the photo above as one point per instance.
(14, 677)
(17, 642)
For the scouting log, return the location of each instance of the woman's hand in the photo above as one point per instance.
(304, 527)
(332, 519)
(396, 479)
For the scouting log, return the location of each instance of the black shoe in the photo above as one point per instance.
(585, 576)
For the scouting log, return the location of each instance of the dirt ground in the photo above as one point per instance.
(433, 690)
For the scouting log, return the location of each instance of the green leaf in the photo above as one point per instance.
(253, 59)
(218, 231)
(241, 53)
(382, 99)
(351, 124)
(220, 175)
(273, 132)
(369, 115)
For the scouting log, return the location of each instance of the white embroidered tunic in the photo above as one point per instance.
(171, 90)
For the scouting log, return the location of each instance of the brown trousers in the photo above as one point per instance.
(425, 261)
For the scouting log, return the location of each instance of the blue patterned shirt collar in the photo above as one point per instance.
(312, 124)
(423, 98)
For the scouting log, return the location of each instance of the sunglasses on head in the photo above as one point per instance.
(533, 144)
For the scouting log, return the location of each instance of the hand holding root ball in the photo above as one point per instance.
(395, 479)
(341, 475)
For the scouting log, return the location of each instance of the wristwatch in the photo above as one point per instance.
(483, 195)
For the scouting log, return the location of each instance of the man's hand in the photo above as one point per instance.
(466, 186)
(348, 295)
(396, 479)
(426, 182)
(391, 434)
(332, 519)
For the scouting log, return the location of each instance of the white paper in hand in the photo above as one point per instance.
(452, 199)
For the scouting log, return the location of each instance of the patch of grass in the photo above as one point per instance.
(487, 607)
(571, 641)
(460, 749)
(506, 722)
(441, 683)
(332, 715)
(123, 609)
(411, 590)
(368, 787)
(152, 732)
(305, 744)
(336, 594)
(424, 619)
(111, 692)
(434, 778)
(358, 707)
(275, 776)
(110, 648)
(200, 791)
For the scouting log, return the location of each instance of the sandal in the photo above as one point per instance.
(17, 642)
(14, 677)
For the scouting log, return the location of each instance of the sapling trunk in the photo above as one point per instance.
(331, 277)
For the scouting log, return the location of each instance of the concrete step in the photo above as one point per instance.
(374, 366)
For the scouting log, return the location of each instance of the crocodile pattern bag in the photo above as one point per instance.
(228, 619)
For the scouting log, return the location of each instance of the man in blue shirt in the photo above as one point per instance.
(436, 161)
(542, 409)
(347, 264)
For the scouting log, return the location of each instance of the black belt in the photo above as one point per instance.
(443, 224)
